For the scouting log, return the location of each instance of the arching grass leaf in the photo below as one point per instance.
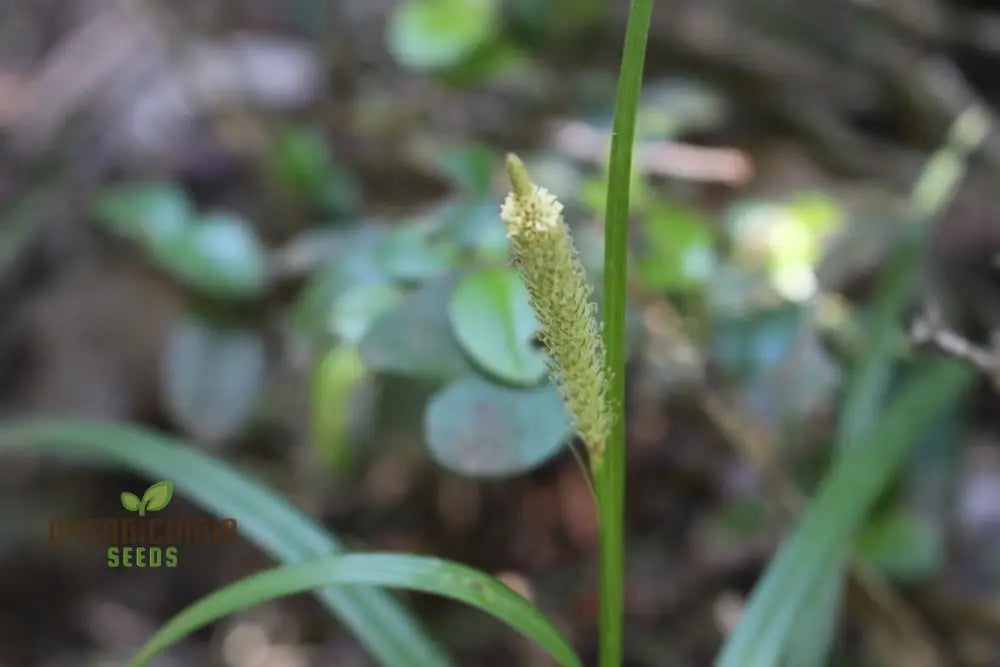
(417, 573)
(284, 532)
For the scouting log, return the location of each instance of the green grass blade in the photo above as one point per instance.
(610, 477)
(846, 494)
(415, 573)
(932, 193)
(380, 623)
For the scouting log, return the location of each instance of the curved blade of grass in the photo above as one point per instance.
(416, 573)
(931, 194)
(847, 492)
(609, 480)
(379, 622)
(869, 381)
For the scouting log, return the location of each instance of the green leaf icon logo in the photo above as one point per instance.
(156, 497)
(130, 502)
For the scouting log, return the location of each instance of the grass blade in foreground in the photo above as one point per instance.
(379, 622)
(417, 573)
(610, 478)
(840, 504)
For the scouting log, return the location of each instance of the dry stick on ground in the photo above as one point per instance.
(871, 596)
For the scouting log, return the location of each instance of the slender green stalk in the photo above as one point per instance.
(610, 476)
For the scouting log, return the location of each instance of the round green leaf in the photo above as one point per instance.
(481, 429)
(158, 496)
(415, 339)
(148, 212)
(357, 307)
(410, 252)
(212, 378)
(435, 34)
(492, 318)
(221, 256)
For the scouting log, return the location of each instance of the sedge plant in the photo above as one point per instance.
(587, 365)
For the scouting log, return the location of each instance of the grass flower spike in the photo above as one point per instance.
(560, 294)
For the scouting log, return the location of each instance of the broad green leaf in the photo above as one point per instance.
(148, 212)
(352, 262)
(493, 320)
(157, 496)
(212, 377)
(841, 502)
(678, 252)
(481, 429)
(358, 306)
(284, 532)
(435, 34)
(219, 256)
(416, 573)
(130, 501)
(415, 338)
(477, 226)
(413, 252)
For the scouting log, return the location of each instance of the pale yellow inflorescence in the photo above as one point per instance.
(560, 295)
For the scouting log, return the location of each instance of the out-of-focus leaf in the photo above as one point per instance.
(477, 226)
(415, 338)
(470, 167)
(435, 34)
(494, 322)
(815, 627)
(212, 378)
(352, 262)
(678, 250)
(782, 368)
(338, 379)
(358, 306)
(902, 545)
(413, 251)
(838, 508)
(220, 256)
(148, 212)
(481, 429)
(302, 162)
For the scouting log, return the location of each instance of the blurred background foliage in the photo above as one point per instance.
(273, 227)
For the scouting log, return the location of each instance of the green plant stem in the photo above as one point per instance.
(610, 476)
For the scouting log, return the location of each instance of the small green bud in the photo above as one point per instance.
(542, 249)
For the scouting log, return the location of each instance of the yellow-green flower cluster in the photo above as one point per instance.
(560, 294)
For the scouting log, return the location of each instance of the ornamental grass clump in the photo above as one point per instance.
(561, 296)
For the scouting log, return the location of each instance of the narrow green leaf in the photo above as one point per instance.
(825, 528)
(416, 573)
(379, 622)
(610, 478)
